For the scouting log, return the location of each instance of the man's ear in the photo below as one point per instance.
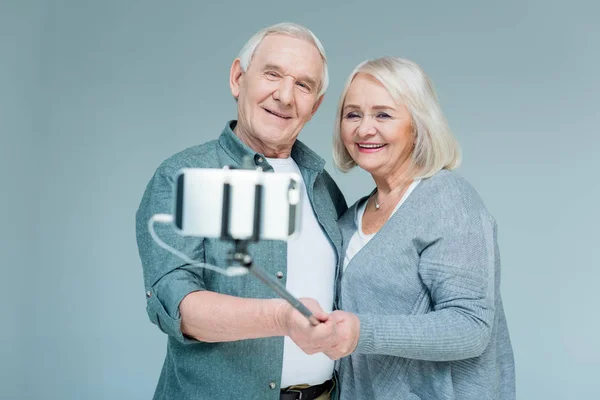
(235, 76)
(317, 105)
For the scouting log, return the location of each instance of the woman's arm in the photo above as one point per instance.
(458, 270)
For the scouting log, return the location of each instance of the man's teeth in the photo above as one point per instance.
(370, 146)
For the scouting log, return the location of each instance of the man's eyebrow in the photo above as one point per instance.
(307, 79)
(272, 67)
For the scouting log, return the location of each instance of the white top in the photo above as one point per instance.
(311, 261)
(360, 239)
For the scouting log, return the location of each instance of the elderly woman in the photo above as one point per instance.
(420, 286)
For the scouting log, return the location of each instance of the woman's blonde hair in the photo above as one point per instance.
(435, 148)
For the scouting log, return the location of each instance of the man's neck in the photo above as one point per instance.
(269, 150)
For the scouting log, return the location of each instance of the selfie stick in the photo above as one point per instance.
(241, 255)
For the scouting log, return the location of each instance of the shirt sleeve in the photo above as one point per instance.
(458, 269)
(167, 278)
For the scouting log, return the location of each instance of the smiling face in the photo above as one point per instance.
(376, 131)
(278, 94)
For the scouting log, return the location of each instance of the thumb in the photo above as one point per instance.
(321, 316)
(316, 309)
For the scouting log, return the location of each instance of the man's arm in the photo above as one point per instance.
(167, 279)
(180, 305)
(215, 317)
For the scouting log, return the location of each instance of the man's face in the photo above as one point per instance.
(277, 95)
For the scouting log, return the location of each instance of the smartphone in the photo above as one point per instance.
(237, 204)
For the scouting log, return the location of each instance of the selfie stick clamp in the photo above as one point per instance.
(242, 257)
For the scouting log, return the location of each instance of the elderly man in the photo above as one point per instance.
(231, 338)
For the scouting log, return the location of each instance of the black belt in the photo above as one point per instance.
(310, 393)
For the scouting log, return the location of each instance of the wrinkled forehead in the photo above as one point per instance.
(290, 54)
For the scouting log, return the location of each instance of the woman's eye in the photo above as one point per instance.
(352, 115)
(383, 115)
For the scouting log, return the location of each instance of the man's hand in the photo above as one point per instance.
(311, 339)
(347, 334)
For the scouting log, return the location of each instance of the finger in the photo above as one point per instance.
(322, 316)
(316, 309)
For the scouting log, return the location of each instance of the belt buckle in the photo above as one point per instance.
(296, 391)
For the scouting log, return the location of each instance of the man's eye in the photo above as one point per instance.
(272, 74)
(303, 85)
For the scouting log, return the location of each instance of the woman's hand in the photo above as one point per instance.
(311, 339)
(347, 334)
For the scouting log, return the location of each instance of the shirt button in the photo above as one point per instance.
(260, 160)
(279, 275)
(148, 294)
(272, 385)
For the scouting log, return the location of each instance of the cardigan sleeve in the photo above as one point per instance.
(458, 268)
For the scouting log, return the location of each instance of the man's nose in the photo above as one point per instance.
(285, 91)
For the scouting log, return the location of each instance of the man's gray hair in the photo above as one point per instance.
(290, 29)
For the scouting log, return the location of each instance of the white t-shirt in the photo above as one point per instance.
(360, 239)
(311, 261)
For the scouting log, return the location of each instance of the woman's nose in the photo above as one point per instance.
(367, 127)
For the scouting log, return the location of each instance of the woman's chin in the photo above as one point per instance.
(370, 168)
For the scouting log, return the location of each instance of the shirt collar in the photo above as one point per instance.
(237, 150)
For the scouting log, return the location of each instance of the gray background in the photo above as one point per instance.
(95, 94)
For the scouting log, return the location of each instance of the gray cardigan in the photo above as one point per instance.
(426, 289)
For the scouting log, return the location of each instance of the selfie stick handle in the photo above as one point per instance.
(281, 291)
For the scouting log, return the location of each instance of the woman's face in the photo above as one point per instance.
(376, 131)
